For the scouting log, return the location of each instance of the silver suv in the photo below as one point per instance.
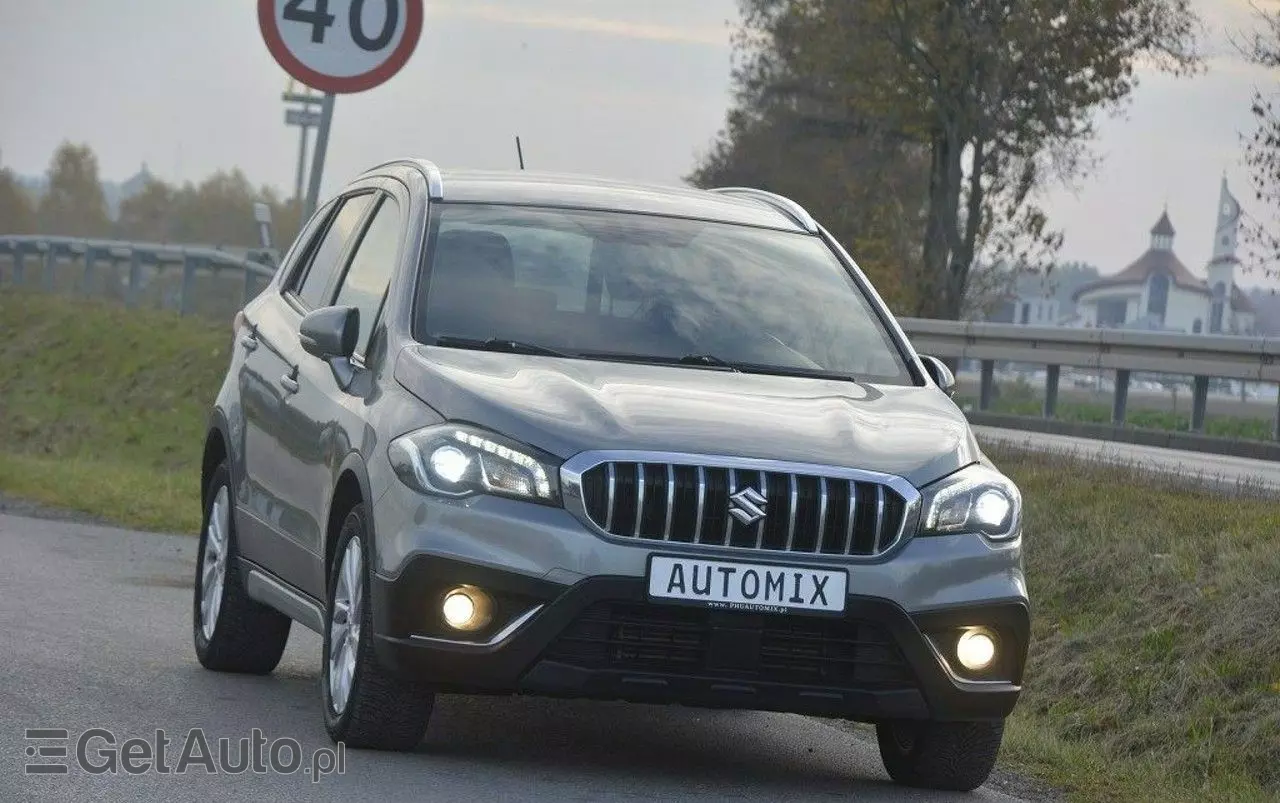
(518, 433)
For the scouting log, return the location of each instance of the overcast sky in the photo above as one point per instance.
(627, 88)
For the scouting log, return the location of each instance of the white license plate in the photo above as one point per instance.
(747, 586)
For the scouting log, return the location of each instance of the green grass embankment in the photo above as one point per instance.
(103, 409)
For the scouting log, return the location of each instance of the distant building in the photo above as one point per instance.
(1158, 292)
(1045, 300)
(115, 194)
(1266, 311)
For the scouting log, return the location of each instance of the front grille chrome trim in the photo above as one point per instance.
(791, 515)
(608, 520)
(728, 519)
(639, 496)
(764, 491)
(671, 501)
(884, 541)
(853, 512)
(822, 515)
(702, 500)
(879, 515)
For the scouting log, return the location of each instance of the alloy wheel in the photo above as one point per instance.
(344, 625)
(213, 568)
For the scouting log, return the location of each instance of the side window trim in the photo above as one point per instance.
(297, 271)
(349, 247)
(349, 255)
(299, 249)
(384, 197)
(304, 269)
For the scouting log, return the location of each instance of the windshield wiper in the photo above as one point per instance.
(497, 344)
(708, 359)
(757, 368)
(712, 361)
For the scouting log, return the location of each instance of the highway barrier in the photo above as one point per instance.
(255, 268)
(1121, 352)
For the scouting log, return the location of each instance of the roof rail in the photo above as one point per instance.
(428, 169)
(781, 203)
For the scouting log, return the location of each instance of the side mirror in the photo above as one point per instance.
(940, 374)
(330, 332)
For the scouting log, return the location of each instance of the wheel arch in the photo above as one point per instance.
(350, 489)
(217, 449)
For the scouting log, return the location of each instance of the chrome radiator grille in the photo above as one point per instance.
(749, 508)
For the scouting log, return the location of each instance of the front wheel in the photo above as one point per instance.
(364, 704)
(232, 632)
(955, 756)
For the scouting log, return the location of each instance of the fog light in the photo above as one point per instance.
(976, 649)
(467, 608)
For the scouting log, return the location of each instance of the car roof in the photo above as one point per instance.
(566, 190)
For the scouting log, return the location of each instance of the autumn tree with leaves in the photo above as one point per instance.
(17, 210)
(217, 212)
(73, 204)
(868, 189)
(993, 99)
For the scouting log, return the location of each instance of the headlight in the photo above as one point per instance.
(457, 461)
(976, 499)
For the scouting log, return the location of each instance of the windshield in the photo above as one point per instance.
(613, 285)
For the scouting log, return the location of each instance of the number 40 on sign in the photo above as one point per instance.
(341, 46)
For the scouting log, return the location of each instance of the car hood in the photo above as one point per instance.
(565, 406)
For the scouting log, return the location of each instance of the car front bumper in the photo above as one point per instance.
(601, 638)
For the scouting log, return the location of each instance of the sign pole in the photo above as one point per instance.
(317, 158)
(302, 163)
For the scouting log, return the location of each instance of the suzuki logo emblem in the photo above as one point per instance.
(747, 506)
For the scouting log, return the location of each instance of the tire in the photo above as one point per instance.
(242, 635)
(952, 756)
(377, 710)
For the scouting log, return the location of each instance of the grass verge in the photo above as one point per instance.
(1155, 668)
(102, 409)
(1021, 399)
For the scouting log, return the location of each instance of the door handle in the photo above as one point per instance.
(249, 342)
(290, 381)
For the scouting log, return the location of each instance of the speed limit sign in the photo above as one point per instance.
(341, 46)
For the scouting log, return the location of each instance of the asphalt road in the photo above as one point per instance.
(1211, 468)
(94, 633)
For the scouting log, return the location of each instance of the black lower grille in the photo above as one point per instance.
(828, 653)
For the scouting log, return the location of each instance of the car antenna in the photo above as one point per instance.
(519, 152)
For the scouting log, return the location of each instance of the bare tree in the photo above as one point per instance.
(1262, 148)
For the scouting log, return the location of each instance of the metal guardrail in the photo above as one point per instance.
(1120, 350)
(90, 253)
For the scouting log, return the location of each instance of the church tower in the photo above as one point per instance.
(1162, 234)
(1223, 264)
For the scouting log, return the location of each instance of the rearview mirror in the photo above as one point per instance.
(940, 374)
(330, 332)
